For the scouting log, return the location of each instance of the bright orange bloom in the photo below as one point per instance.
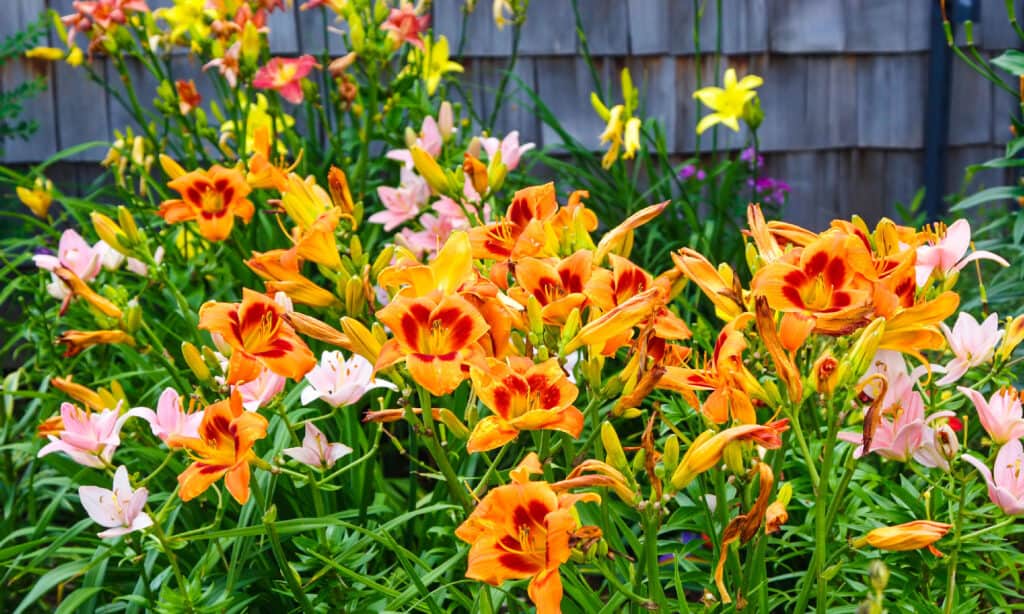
(212, 198)
(828, 281)
(280, 270)
(626, 280)
(259, 337)
(524, 397)
(223, 449)
(559, 286)
(263, 173)
(724, 374)
(436, 339)
(521, 232)
(725, 294)
(906, 536)
(622, 234)
(522, 530)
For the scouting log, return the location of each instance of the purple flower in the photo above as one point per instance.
(747, 155)
(692, 172)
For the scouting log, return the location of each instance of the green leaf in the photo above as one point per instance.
(987, 196)
(77, 599)
(1014, 146)
(1012, 61)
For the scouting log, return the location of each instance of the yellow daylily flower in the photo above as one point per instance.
(622, 129)
(435, 62)
(37, 199)
(258, 117)
(728, 102)
(187, 17)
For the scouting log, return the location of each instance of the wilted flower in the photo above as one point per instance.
(341, 382)
(119, 509)
(316, 451)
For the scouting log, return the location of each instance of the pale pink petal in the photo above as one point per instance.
(99, 504)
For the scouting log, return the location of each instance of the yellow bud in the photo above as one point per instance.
(733, 457)
(454, 424)
(128, 226)
(194, 359)
(429, 169)
(50, 54)
(670, 455)
(172, 168)
(614, 454)
(355, 299)
(364, 342)
(75, 57)
(571, 327)
(853, 365)
(639, 460)
(110, 232)
(533, 315)
(382, 261)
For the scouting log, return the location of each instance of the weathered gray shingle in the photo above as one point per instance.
(82, 112)
(970, 98)
(551, 29)
(744, 26)
(606, 24)
(802, 26)
(650, 31)
(482, 36)
(43, 143)
(891, 94)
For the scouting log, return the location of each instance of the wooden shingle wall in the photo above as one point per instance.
(845, 89)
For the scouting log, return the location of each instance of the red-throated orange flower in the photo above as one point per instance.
(212, 198)
(828, 281)
(259, 337)
(188, 96)
(522, 530)
(223, 449)
(906, 536)
(285, 75)
(724, 374)
(436, 338)
(559, 286)
(524, 397)
(521, 231)
(279, 269)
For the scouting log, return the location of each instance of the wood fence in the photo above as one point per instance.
(846, 84)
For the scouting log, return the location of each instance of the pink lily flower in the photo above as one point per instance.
(316, 451)
(402, 203)
(285, 75)
(429, 140)
(436, 230)
(260, 391)
(893, 366)
(510, 149)
(170, 418)
(107, 12)
(973, 344)
(902, 432)
(1006, 484)
(228, 65)
(119, 509)
(89, 438)
(403, 25)
(341, 382)
(1002, 415)
(74, 254)
(948, 254)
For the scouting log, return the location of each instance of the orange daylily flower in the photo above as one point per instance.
(916, 328)
(772, 238)
(280, 271)
(724, 374)
(906, 536)
(223, 448)
(523, 530)
(263, 173)
(622, 234)
(524, 397)
(626, 280)
(212, 199)
(521, 232)
(725, 294)
(828, 280)
(620, 319)
(559, 286)
(436, 339)
(259, 336)
(318, 243)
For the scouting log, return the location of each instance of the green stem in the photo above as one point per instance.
(158, 532)
(955, 556)
(362, 166)
(275, 545)
(652, 523)
(441, 456)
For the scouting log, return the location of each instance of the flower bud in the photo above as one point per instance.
(454, 424)
(732, 455)
(131, 322)
(1012, 336)
(445, 121)
(826, 374)
(878, 575)
(128, 226)
(194, 359)
(855, 364)
(110, 232)
(614, 454)
(338, 66)
(476, 171)
(670, 455)
(752, 113)
(429, 169)
(363, 341)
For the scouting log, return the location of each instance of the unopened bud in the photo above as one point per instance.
(670, 454)
(614, 454)
(732, 455)
(878, 575)
(445, 121)
(194, 359)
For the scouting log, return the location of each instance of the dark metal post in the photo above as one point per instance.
(936, 117)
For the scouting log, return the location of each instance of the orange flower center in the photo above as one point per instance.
(259, 336)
